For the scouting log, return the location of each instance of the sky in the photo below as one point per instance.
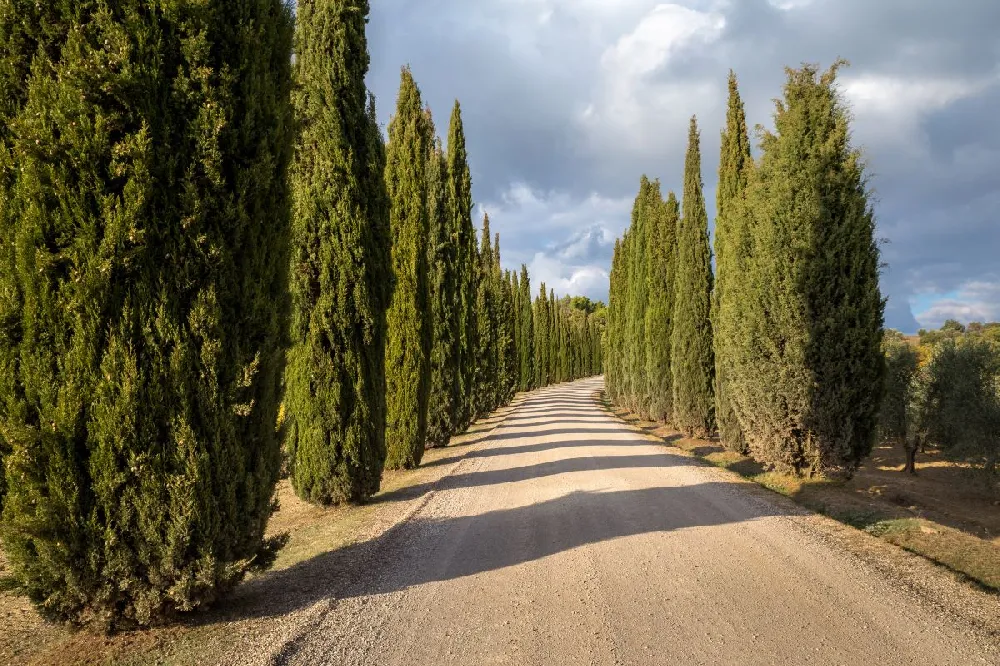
(567, 103)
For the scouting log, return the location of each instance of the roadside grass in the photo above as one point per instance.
(947, 513)
(207, 637)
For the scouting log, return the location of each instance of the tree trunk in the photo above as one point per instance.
(910, 448)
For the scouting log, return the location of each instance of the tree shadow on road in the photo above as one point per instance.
(412, 552)
(563, 428)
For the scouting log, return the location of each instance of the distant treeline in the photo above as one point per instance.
(943, 390)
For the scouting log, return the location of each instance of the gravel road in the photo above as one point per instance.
(569, 538)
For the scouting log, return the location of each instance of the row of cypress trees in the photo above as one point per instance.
(566, 344)
(779, 350)
(208, 248)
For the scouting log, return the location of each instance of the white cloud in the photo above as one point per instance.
(789, 5)
(577, 234)
(889, 109)
(635, 105)
(591, 281)
(895, 96)
(978, 300)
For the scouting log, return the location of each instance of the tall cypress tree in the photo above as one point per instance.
(635, 307)
(808, 370)
(335, 380)
(730, 255)
(627, 394)
(662, 257)
(484, 388)
(541, 318)
(409, 319)
(509, 361)
(612, 369)
(442, 258)
(460, 200)
(514, 288)
(691, 355)
(553, 355)
(526, 324)
(144, 152)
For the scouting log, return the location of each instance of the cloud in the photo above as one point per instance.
(640, 79)
(568, 102)
(565, 241)
(978, 300)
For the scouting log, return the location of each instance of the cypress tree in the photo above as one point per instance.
(553, 355)
(509, 362)
(514, 288)
(541, 319)
(627, 393)
(691, 355)
(485, 366)
(144, 152)
(506, 327)
(612, 370)
(335, 380)
(460, 200)
(442, 259)
(730, 255)
(565, 346)
(662, 253)
(808, 371)
(527, 326)
(635, 309)
(409, 319)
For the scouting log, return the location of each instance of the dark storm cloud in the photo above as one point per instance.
(567, 102)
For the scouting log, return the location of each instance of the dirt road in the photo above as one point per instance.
(568, 538)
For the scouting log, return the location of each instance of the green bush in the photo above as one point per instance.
(958, 405)
(901, 365)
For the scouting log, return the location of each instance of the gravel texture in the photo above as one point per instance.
(568, 538)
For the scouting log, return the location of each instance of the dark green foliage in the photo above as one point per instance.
(553, 317)
(467, 262)
(509, 362)
(445, 300)
(612, 336)
(485, 371)
(958, 401)
(662, 257)
(410, 315)
(635, 304)
(526, 324)
(691, 358)
(902, 362)
(542, 326)
(807, 368)
(341, 274)
(144, 150)
(730, 254)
